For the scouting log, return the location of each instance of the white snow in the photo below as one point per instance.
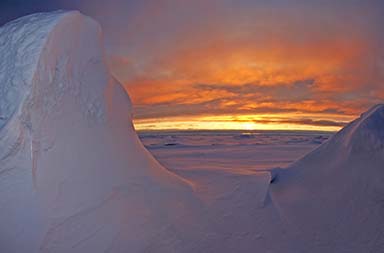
(334, 197)
(74, 177)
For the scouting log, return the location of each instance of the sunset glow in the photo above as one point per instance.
(291, 68)
(245, 122)
(188, 64)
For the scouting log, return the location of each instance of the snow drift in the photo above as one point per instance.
(74, 176)
(333, 198)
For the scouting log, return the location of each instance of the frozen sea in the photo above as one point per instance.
(251, 150)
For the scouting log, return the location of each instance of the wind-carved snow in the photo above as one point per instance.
(74, 177)
(73, 173)
(21, 43)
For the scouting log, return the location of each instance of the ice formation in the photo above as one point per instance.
(73, 175)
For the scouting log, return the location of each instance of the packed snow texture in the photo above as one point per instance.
(74, 177)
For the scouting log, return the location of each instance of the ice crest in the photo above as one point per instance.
(365, 134)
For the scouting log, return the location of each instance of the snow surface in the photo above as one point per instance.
(74, 176)
(334, 196)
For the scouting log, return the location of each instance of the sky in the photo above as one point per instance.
(238, 64)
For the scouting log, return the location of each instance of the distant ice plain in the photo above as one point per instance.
(250, 150)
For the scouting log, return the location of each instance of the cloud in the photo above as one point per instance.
(222, 57)
(229, 66)
(310, 122)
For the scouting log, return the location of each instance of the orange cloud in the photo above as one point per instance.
(244, 62)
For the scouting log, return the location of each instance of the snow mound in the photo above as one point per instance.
(333, 197)
(74, 176)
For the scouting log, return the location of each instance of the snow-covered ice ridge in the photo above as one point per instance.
(74, 177)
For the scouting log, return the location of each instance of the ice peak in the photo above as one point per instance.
(367, 132)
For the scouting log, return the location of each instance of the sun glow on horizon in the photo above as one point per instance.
(243, 122)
